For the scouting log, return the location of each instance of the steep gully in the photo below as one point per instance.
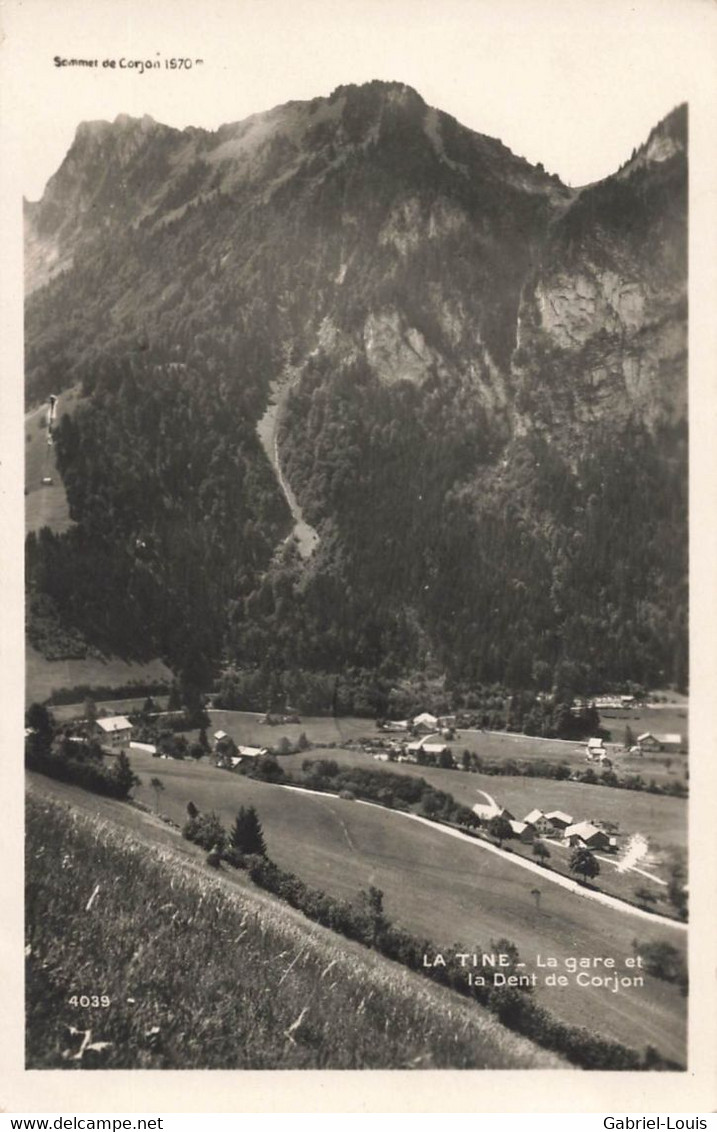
(267, 429)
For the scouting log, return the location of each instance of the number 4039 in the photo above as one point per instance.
(89, 1000)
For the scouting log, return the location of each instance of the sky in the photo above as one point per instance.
(572, 83)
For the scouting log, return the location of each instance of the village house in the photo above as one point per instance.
(425, 722)
(539, 822)
(485, 811)
(584, 834)
(244, 754)
(647, 742)
(594, 748)
(522, 831)
(114, 731)
(559, 821)
(435, 749)
(219, 737)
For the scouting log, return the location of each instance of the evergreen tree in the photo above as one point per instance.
(247, 836)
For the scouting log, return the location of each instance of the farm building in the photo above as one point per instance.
(522, 831)
(584, 833)
(671, 743)
(485, 811)
(539, 822)
(252, 752)
(435, 749)
(148, 748)
(115, 730)
(425, 722)
(219, 737)
(245, 753)
(559, 820)
(649, 742)
(594, 748)
(395, 725)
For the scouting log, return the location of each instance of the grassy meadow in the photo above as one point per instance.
(43, 676)
(440, 888)
(659, 818)
(200, 975)
(245, 727)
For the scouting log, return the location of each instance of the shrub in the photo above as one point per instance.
(206, 830)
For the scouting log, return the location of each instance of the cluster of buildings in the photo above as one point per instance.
(227, 751)
(556, 825)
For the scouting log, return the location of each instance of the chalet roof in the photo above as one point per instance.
(593, 743)
(560, 815)
(671, 738)
(435, 748)
(518, 826)
(584, 829)
(114, 723)
(645, 735)
(426, 718)
(218, 735)
(485, 810)
(252, 752)
(533, 816)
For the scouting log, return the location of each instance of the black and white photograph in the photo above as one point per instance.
(357, 401)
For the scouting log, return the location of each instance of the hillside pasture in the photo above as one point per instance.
(199, 991)
(501, 746)
(246, 728)
(64, 713)
(660, 719)
(443, 889)
(43, 677)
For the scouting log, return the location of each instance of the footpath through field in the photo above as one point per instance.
(546, 874)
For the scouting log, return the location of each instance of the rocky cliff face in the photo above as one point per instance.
(602, 323)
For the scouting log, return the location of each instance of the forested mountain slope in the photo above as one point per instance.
(487, 418)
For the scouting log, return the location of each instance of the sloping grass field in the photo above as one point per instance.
(190, 972)
(43, 676)
(446, 890)
(662, 819)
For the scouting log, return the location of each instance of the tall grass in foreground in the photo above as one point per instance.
(198, 976)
